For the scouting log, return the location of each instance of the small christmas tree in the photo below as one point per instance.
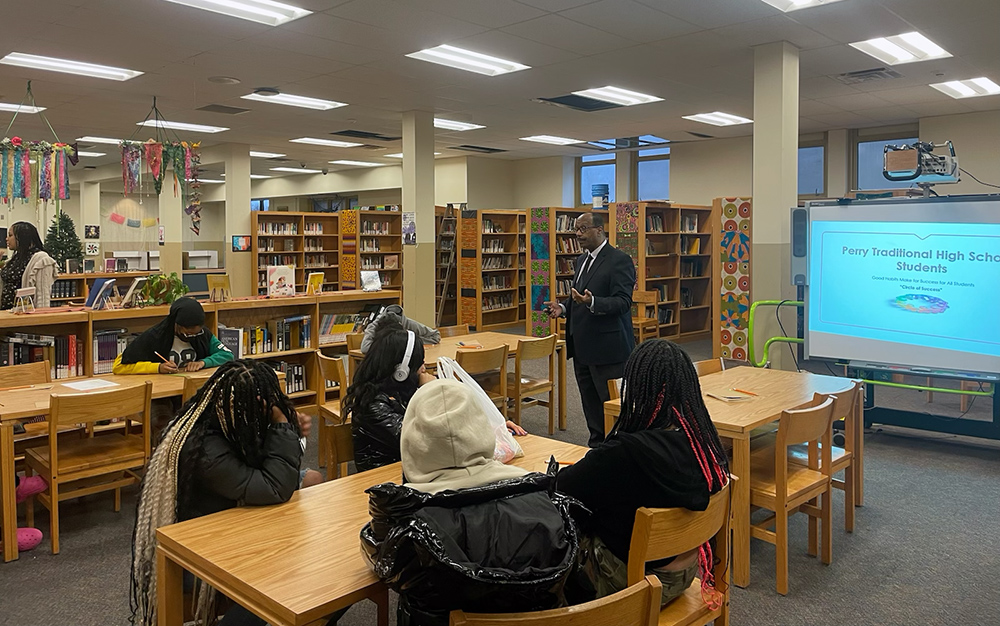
(62, 242)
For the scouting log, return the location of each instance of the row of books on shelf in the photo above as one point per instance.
(690, 245)
(270, 244)
(498, 301)
(317, 260)
(491, 228)
(565, 245)
(315, 244)
(371, 245)
(108, 343)
(447, 244)
(689, 222)
(373, 227)
(664, 314)
(565, 222)
(564, 286)
(295, 375)
(313, 228)
(276, 335)
(494, 245)
(277, 228)
(384, 262)
(67, 289)
(333, 327)
(565, 265)
(275, 259)
(497, 263)
(659, 247)
(687, 298)
(63, 352)
(496, 281)
(691, 268)
(654, 223)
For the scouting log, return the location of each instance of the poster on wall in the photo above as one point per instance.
(92, 249)
(92, 231)
(241, 243)
(161, 235)
(409, 228)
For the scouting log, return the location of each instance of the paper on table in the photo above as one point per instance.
(90, 384)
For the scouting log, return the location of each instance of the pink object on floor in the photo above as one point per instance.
(30, 486)
(27, 539)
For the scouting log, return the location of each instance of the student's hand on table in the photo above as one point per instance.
(167, 367)
(305, 423)
(425, 378)
(516, 430)
(554, 309)
(584, 298)
(194, 366)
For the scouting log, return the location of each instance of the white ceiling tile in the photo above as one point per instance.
(893, 114)
(339, 29)
(555, 5)
(715, 13)
(506, 46)
(491, 13)
(626, 18)
(856, 20)
(432, 28)
(945, 107)
(836, 59)
(909, 95)
(808, 108)
(843, 119)
(775, 28)
(323, 48)
(823, 87)
(563, 33)
(854, 102)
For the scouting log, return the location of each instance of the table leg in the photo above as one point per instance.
(9, 501)
(562, 386)
(169, 591)
(859, 451)
(741, 512)
(381, 600)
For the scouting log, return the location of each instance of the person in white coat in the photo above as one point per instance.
(29, 266)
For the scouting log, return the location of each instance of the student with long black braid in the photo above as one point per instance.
(663, 452)
(235, 443)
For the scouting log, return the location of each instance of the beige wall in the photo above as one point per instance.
(704, 170)
(977, 143)
(548, 181)
(450, 182)
(380, 197)
(490, 183)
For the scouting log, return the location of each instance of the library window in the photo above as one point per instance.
(597, 169)
(812, 171)
(653, 174)
(871, 162)
(260, 205)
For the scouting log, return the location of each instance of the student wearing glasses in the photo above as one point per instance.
(181, 339)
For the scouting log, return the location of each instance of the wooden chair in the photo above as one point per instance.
(643, 326)
(638, 605)
(708, 366)
(489, 368)
(331, 369)
(340, 450)
(353, 343)
(454, 331)
(192, 385)
(660, 533)
(35, 433)
(520, 387)
(95, 464)
(615, 388)
(777, 484)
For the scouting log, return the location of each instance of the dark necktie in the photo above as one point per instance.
(586, 267)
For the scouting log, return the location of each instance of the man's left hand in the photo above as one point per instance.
(585, 298)
(193, 366)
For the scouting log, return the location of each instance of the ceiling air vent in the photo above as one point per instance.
(364, 134)
(866, 76)
(700, 135)
(579, 103)
(480, 149)
(221, 108)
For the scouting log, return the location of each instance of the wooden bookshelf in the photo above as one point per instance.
(497, 257)
(523, 267)
(445, 283)
(673, 248)
(376, 242)
(79, 284)
(308, 242)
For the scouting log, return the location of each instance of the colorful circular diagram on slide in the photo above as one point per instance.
(920, 303)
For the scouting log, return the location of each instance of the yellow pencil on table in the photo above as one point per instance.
(749, 393)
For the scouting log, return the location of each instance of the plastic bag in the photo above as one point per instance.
(507, 447)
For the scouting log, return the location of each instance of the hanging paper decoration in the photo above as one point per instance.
(150, 221)
(117, 218)
(34, 170)
(131, 223)
(193, 159)
(131, 166)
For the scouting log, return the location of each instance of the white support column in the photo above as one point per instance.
(775, 182)
(239, 265)
(837, 159)
(418, 197)
(174, 221)
(624, 162)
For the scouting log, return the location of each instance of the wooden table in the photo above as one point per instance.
(23, 404)
(293, 564)
(449, 347)
(776, 391)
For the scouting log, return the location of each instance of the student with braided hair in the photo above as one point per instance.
(663, 452)
(235, 443)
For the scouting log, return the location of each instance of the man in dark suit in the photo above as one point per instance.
(598, 318)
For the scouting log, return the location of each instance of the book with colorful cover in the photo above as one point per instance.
(280, 281)
(314, 283)
(219, 288)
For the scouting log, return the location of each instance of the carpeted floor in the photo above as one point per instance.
(924, 550)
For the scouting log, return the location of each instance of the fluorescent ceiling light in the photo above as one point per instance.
(296, 101)
(210, 181)
(450, 125)
(20, 108)
(90, 154)
(970, 88)
(357, 163)
(617, 95)
(260, 11)
(259, 176)
(899, 49)
(331, 143)
(295, 170)
(718, 118)
(183, 126)
(69, 67)
(107, 140)
(265, 155)
(551, 139)
(468, 60)
(795, 5)
(399, 155)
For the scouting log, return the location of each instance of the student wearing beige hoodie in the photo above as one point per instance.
(465, 531)
(29, 266)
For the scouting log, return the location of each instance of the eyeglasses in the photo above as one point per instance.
(194, 336)
(583, 229)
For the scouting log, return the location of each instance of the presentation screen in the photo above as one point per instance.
(911, 282)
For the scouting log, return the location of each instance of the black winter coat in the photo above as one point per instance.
(504, 547)
(215, 478)
(375, 431)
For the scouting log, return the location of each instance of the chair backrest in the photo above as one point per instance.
(615, 388)
(661, 533)
(531, 349)
(637, 605)
(354, 341)
(645, 297)
(483, 361)
(709, 366)
(846, 401)
(131, 403)
(332, 368)
(805, 425)
(341, 449)
(192, 384)
(454, 331)
(27, 374)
